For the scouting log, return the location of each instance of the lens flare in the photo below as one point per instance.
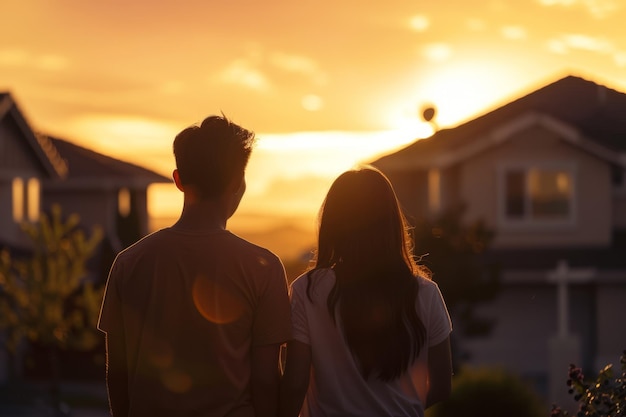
(216, 303)
(176, 381)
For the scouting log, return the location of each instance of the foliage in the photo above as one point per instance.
(44, 297)
(453, 250)
(603, 397)
(489, 392)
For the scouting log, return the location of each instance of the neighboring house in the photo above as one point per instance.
(26, 160)
(546, 172)
(104, 191)
(37, 171)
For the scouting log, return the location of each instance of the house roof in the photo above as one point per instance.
(583, 110)
(86, 167)
(46, 154)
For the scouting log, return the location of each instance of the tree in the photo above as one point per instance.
(45, 297)
(452, 249)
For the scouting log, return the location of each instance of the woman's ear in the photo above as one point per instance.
(176, 177)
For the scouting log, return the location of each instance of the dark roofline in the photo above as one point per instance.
(87, 166)
(595, 110)
(43, 149)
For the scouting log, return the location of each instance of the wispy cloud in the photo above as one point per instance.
(21, 58)
(13, 57)
(244, 73)
(299, 64)
(437, 52)
(514, 33)
(620, 59)
(598, 8)
(172, 87)
(51, 62)
(419, 23)
(567, 43)
(254, 71)
(312, 102)
(475, 25)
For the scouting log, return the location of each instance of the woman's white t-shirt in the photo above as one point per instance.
(336, 387)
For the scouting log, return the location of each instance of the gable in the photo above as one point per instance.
(446, 156)
(23, 151)
(509, 131)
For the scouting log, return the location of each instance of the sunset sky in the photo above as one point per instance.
(324, 83)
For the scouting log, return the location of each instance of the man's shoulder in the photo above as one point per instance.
(245, 247)
(145, 243)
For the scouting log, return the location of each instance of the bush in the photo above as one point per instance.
(605, 396)
(489, 392)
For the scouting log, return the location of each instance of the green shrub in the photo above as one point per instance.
(488, 392)
(605, 396)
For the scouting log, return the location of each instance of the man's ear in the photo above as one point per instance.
(176, 177)
(237, 183)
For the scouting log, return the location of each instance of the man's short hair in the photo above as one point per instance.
(210, 156)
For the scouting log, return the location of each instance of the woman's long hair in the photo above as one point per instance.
(363, 237)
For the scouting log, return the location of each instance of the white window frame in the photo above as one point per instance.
(527, 221)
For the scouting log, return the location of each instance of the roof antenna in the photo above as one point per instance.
(429, 111)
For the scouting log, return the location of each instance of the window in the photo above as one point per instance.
(538, 195)
(33, 194)
(434, 190)
(123, 202)
(26, 199)
(18, 199)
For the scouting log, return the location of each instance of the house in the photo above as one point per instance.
(38, 171)
(26, 160)
(104, 191)
(546, 172)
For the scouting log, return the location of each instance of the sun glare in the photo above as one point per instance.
(461, 91)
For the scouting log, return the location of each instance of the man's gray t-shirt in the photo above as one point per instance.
(190, 306)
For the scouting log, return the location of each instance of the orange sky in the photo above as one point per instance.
(123, 77)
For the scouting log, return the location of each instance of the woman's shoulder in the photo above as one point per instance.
(321, 276)
(427, 285)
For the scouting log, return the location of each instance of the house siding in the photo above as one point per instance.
(94, 207)
(451, 183)
(480, 190)
(412, 190)
(99, 207)
(611, 330)
(528, 313)
(619, 209)
(16, 161)
(15, 157)
(521, 313)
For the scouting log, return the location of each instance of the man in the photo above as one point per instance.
(194, 316)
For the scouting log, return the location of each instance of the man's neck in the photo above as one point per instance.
(202, 215)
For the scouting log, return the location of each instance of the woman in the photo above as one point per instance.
(370, 329)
